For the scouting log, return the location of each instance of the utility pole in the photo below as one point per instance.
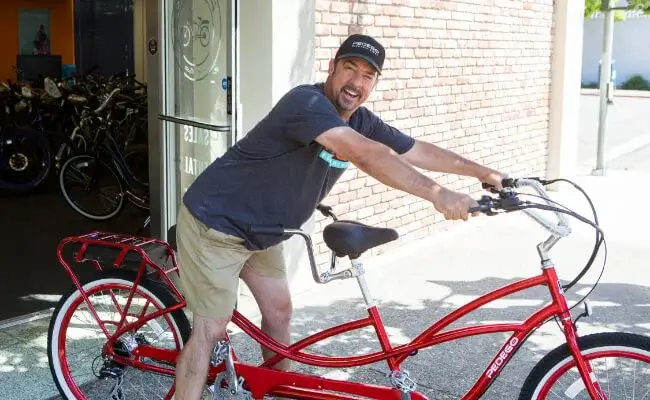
(605, 85)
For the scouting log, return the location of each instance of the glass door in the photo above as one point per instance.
(197, 69)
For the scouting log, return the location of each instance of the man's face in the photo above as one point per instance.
(351, 80)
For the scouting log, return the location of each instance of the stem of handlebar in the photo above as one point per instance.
(280, 231)
(277, 230)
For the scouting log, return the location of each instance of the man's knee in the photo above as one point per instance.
(206, 332)
(278, 313)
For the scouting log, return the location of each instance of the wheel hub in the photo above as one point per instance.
(18, 162)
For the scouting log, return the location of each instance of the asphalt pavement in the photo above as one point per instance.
(627, 133)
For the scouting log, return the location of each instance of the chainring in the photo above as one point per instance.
(222, 392)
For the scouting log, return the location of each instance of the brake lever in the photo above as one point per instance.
(490, 188)
(506, 183)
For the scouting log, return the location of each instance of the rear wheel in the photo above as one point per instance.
(620, 362)
(76, 340)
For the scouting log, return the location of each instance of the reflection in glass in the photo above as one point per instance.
(197, 68)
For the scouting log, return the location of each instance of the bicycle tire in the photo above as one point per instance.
(94, 216)
(140, 175)
(156, 292)
(560, 358)
(41, 143)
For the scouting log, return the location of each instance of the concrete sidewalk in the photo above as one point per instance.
(417, 284)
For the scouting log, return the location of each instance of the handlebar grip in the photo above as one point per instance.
(266, 230)
(484, 204)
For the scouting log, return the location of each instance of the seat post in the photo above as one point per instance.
(360, 272)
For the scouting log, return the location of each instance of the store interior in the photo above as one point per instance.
(59, 61)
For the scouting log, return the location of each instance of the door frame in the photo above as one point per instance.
(163, 161)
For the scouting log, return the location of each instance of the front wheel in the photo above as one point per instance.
(620, 362)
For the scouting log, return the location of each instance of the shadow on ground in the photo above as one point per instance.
(444, 372)
(450, 369)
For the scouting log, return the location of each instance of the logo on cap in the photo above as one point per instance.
(366, 46)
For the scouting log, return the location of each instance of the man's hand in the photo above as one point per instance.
(493, 178)
(454, 205)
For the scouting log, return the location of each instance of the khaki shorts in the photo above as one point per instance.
(210, 262)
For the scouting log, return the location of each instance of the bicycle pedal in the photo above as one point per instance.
(113, 371)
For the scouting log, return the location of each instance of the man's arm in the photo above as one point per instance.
(426, 155)
(379, 161)
(388, 167)
(430, 157)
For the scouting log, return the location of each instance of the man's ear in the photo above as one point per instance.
(376, 81)
(332, 67)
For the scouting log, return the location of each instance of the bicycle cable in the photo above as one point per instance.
(600, 237)
(594, 253)
(600, 241)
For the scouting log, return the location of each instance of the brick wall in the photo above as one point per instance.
(471, 76)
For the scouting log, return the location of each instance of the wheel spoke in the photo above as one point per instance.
(76, 349)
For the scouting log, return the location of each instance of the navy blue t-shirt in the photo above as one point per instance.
(277, 174)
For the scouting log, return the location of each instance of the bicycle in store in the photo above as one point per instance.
(135, 308)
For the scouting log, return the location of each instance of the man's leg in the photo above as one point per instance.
(209, 265)
(194, 359)
(265, 275)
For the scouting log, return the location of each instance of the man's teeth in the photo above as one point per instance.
(349, 93)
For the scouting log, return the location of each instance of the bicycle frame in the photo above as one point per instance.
(104, 147)
(263, 379)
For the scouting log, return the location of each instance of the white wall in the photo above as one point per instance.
(277, 52)
(294, 34)
(565, 89)
(631, 48)
(256, 57)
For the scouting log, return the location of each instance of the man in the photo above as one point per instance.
(276, 175)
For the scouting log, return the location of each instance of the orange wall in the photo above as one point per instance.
(61, 31)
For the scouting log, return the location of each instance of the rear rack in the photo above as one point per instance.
(123, 251)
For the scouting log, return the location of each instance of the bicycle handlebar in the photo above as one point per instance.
(508, 200)
(107, 101)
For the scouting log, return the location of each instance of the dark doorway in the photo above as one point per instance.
(104, 36)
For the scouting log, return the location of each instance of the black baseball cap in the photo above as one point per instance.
(365, 47)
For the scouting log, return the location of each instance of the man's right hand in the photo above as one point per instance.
(454, 205)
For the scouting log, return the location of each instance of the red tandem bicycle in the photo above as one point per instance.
(132, 311)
